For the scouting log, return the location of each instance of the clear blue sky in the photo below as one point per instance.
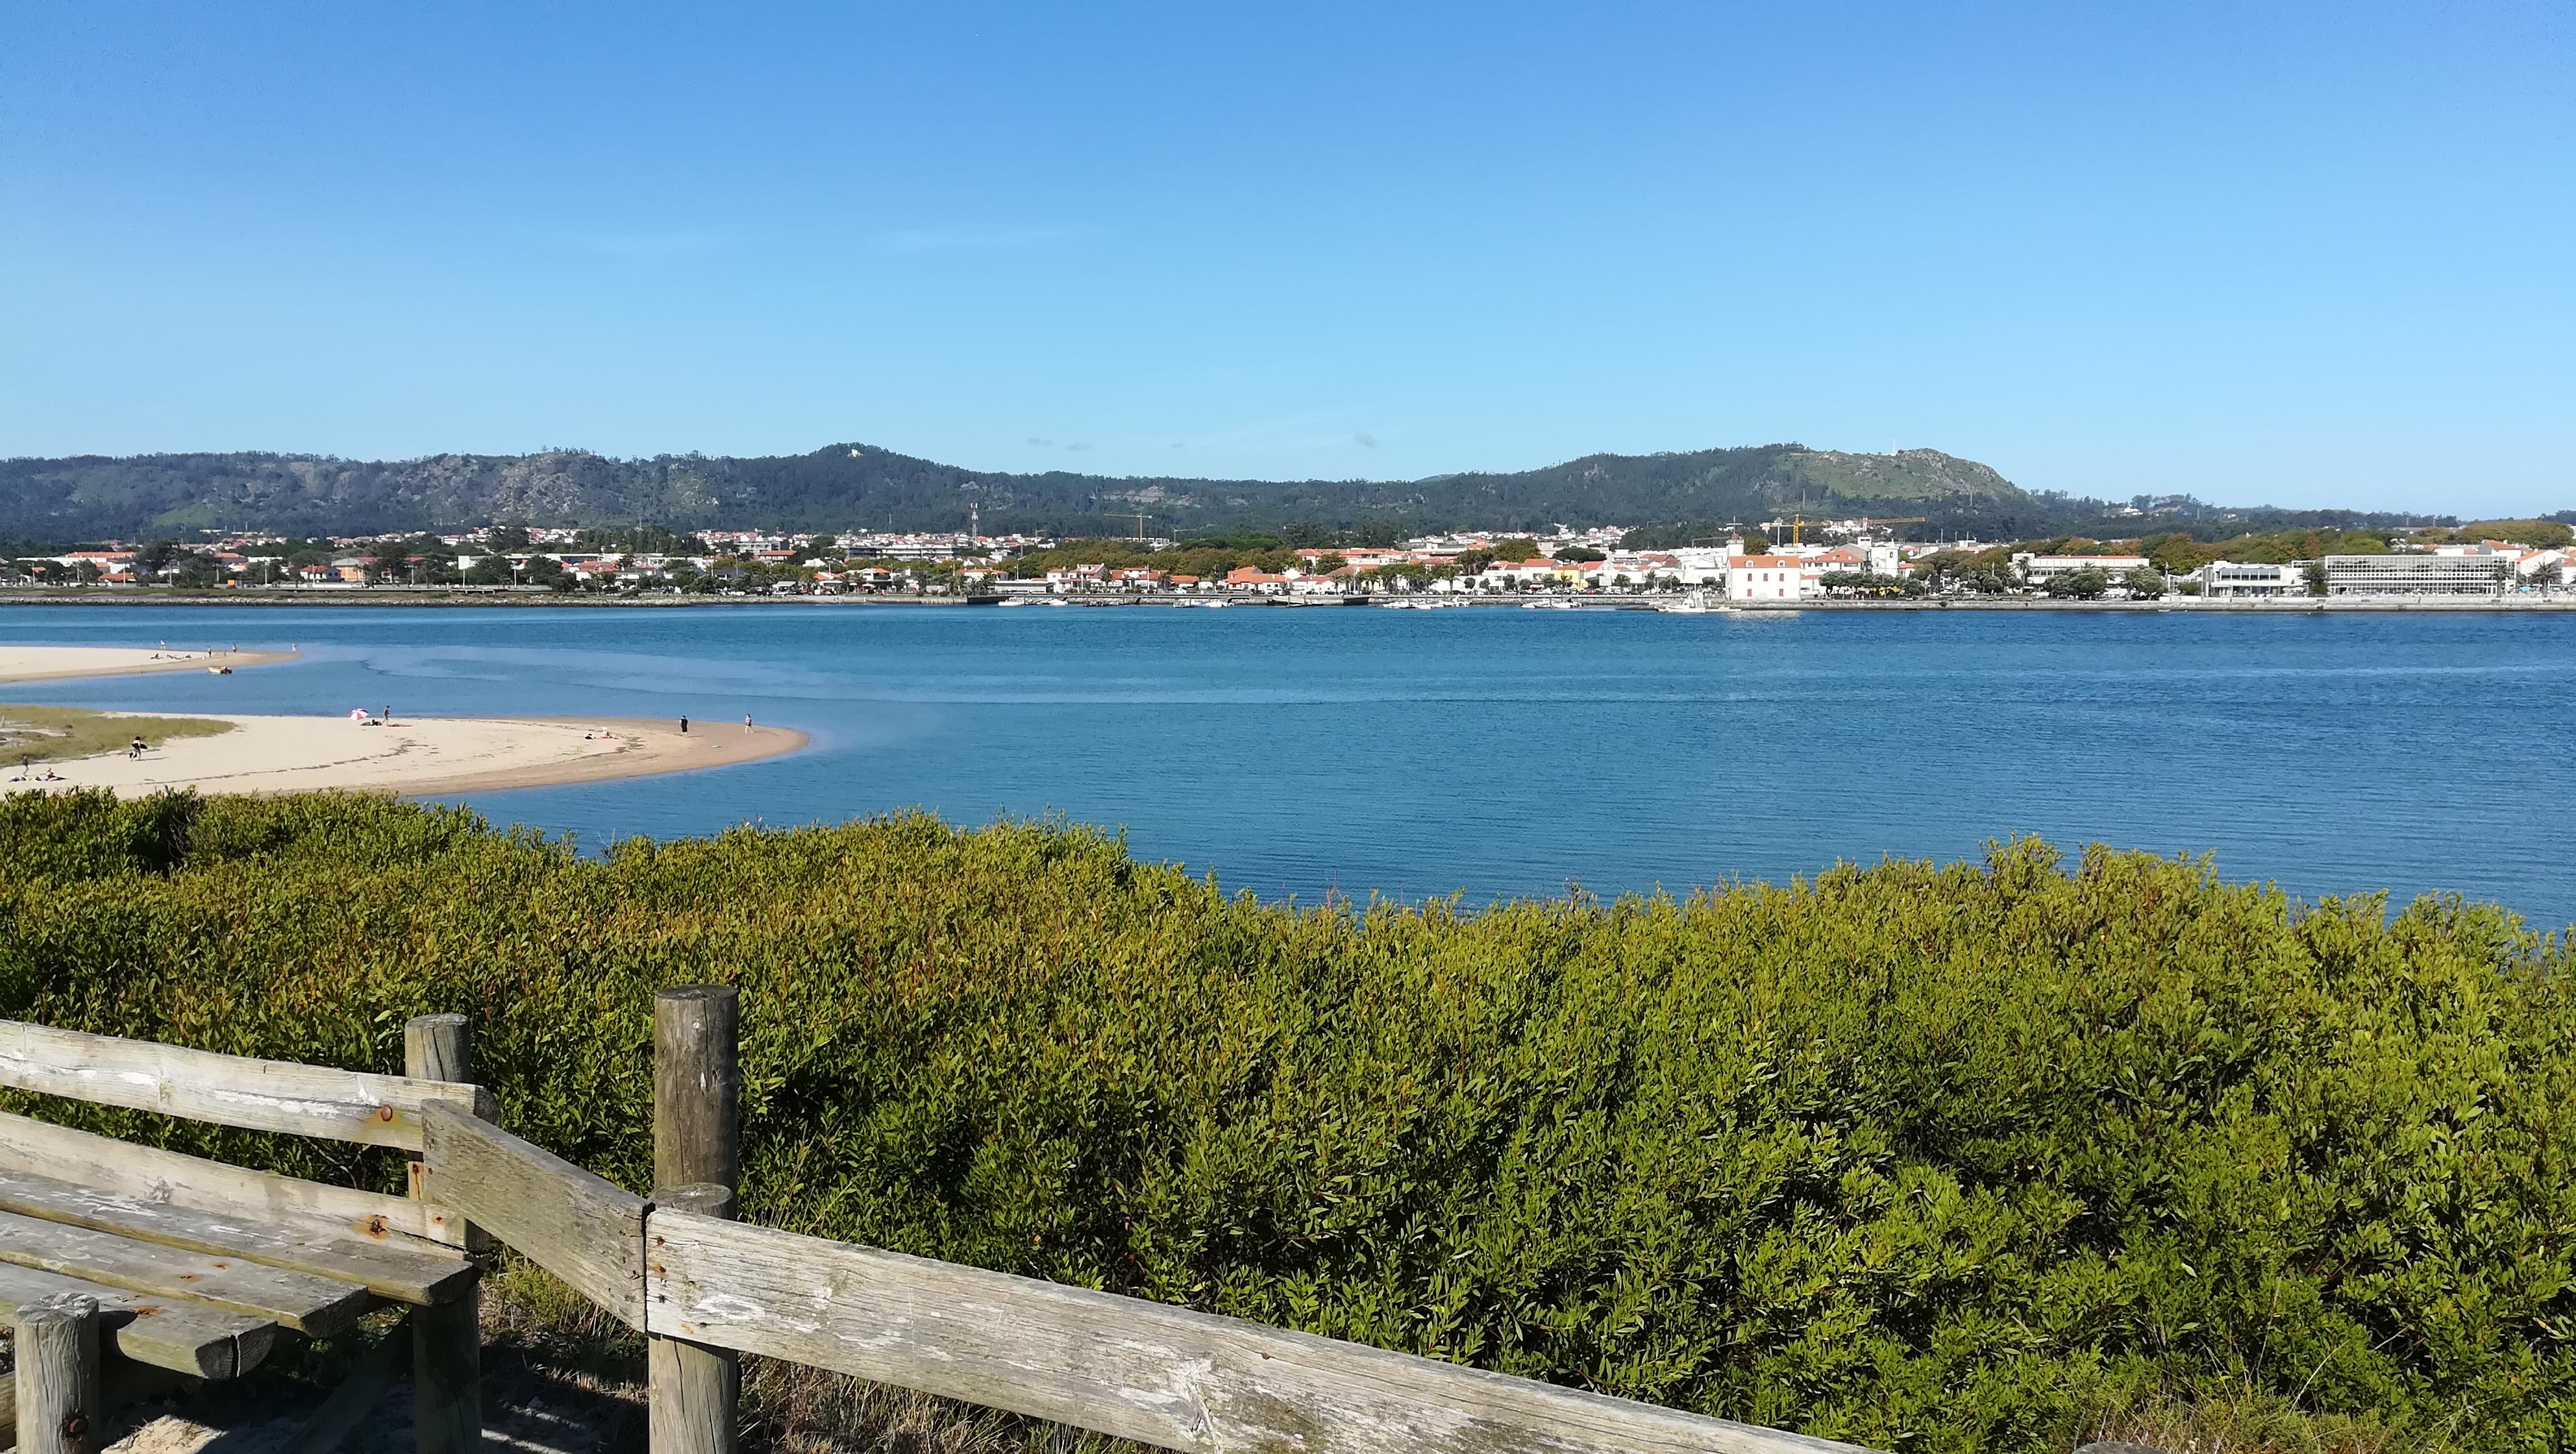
(2310, 254)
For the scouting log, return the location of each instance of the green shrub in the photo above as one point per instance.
(1936, 1158)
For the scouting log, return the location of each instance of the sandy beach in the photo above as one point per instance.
(416, 756)
(52, 663)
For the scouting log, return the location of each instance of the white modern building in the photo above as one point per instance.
(2039, 570)
(2226, 579)
(2415, 575)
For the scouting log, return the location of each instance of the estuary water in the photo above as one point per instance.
(1502, 752)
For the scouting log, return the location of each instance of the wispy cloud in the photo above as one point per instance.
(980, 239)
(1364, 439)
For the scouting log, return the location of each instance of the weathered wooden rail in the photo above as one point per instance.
(705, 1288)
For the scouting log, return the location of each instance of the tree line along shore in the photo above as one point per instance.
(1849, 560)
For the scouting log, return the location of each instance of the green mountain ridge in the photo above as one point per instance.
(864, 487)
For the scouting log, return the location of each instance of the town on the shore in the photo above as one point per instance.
(1777, 563)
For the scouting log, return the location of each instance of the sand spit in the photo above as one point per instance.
(51, 663)
(415, 757)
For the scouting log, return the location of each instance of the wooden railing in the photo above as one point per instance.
(698, 1283)
(705, 1288)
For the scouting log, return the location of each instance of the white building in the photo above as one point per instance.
(1772, 578)
(2416, 575)
(1704, 565)
(2039, 570)
(2225, 579)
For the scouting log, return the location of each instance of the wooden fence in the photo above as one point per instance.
(705, 1288)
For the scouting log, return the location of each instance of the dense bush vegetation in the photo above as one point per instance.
(1928, 1158)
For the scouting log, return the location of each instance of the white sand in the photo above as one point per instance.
(45, 663)
(414, 756)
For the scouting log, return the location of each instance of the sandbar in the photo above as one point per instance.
(414, 756)
(52, 663)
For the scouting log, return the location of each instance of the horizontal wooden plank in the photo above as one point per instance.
(583, 1229)
(148, 1173)
(229, 1090)
(199, 1341)
(1122, 1366)
(407, 1274)
(316, 1306)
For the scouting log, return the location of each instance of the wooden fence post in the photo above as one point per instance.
(62, 1398)
(697, 1166)
(447, 1338)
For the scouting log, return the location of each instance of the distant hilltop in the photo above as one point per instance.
(181, 495)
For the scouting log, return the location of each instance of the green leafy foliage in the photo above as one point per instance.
(2079, 585)
(2538, 534)
(2178, 554)
(1931, 1158)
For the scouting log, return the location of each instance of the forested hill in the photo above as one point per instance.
(862, 487)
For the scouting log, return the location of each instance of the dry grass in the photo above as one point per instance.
(62, 734)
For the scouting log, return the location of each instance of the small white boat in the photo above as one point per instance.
(1694, 604)
(1557, 604)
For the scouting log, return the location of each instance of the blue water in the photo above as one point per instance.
(1502, 752)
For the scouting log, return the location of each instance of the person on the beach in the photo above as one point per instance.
(136, 750)
(684, 726)
(746, 721)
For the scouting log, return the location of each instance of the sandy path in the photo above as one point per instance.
(417, 756)
(48, 663)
